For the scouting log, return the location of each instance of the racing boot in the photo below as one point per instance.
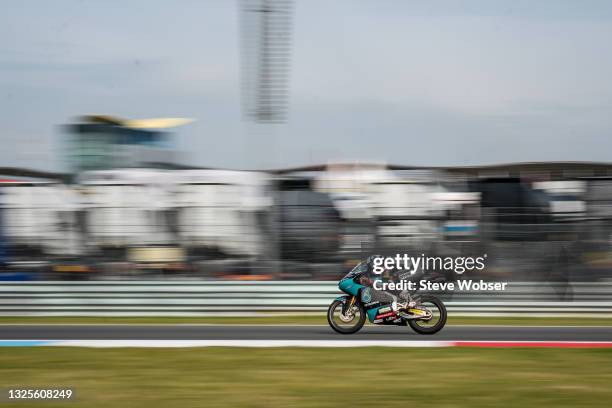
(402, 306)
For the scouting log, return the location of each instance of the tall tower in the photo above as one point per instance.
(266, 53)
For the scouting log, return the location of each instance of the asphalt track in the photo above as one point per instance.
(262, 332)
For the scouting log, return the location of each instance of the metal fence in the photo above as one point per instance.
(202, 298)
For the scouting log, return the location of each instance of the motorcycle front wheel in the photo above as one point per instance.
(350, 323)
(437, 320)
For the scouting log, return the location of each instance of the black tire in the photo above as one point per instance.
(414, 324)
(345, 330)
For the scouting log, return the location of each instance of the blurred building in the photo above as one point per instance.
(99, 142)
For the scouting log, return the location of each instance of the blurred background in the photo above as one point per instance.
(196, 164)
(537, 221)
(287, 140)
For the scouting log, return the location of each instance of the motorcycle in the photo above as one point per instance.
(347, 313)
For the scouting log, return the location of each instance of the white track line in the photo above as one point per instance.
(224, 343)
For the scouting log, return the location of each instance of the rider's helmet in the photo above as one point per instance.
(383, 271)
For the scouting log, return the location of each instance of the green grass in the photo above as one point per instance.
(299, 319)
(301, 377)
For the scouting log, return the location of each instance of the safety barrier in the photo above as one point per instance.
(199, 298)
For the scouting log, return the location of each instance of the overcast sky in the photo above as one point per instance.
(406, 82)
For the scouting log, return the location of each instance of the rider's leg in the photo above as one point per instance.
(385, 297)
(389, 298)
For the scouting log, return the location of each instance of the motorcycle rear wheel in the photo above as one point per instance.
(438, 320)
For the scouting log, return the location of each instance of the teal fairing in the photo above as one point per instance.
(349, 285)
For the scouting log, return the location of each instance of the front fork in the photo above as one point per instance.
(346, 306)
